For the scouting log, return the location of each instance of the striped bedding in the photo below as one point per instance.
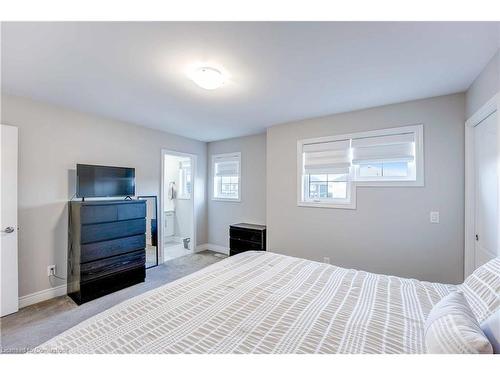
(261, 302)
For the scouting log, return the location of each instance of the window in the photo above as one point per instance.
(384, 169)
(331, 168)
(226, 170)
(332, 186)
(388, 157)
(326, 174)
(185, 179)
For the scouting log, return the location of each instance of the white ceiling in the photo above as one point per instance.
(280, 72)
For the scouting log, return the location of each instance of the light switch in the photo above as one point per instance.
(434, 217)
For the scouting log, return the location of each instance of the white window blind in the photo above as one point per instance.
(326, 174)
(227, 166)
(226, 176)
(377, 149)
(327, 157)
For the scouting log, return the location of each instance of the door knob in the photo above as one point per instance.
(8, 230)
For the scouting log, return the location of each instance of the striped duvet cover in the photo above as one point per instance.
(261, 302)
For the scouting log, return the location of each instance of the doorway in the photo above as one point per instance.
(482, 189)
(177, 205)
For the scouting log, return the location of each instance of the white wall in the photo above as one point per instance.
(252, 207)
(484, 87)
(389, 232)
(51, 141)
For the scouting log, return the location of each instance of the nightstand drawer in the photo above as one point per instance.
(236, 244)
(247, 235)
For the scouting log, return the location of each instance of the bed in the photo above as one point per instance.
(262, 302)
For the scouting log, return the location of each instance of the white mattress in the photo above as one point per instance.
(261, 302)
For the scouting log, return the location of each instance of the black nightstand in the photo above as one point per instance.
(245, 237)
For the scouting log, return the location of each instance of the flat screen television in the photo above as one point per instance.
(104, 181)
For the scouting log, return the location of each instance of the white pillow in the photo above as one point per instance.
(482, 289)
(491, 328)
(451, 327)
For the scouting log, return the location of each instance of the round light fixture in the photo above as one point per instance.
(208, 78)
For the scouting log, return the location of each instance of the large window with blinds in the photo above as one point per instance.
(330, 168)
(226, 171)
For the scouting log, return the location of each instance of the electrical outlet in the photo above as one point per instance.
(51, 270)
(326, 260)
(434, 217)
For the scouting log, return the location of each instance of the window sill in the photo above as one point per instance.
(346, 206)
(226, 200)
(401, 183)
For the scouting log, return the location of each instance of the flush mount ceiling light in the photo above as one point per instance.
(208, 78)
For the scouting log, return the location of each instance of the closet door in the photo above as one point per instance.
(486, 190)
(8, 221)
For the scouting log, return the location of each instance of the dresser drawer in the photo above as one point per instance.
(93, 214)
(109, 231)
(108, 284)
(108, 266)
(131, 211)
(105, 249)
(98, 214)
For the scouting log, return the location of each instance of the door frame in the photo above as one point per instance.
(487, 109)
(194, 160)
(10, 280)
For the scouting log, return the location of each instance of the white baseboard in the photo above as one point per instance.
(216, 248)
(43, 295)
(203, 246)
(61, 290)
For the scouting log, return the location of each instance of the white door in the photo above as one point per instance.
(8, 220)
(486, 190)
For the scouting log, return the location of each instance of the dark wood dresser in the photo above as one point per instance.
(245, 237)
(106, 247)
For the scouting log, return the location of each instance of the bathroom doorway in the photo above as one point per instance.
(177, 205)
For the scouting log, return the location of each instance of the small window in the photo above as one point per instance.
(326, 174)
(390, 157)
(226, 176)
(185, 180)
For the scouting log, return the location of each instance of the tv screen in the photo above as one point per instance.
(102, 181)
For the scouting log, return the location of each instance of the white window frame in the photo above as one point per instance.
(356, 181)
(227, 155)
(349, 203)
(417, 165)
(182, 184)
